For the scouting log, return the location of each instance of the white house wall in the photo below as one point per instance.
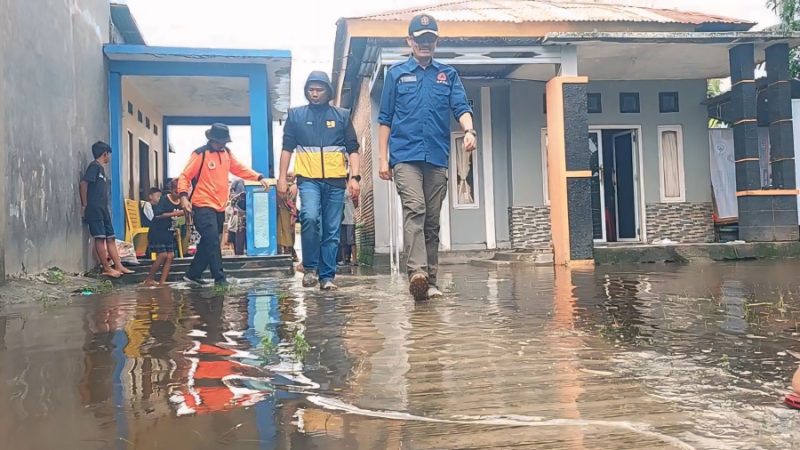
(468, 226)
(501, 151)
(130, 122)
(693, 118)
(528, 213)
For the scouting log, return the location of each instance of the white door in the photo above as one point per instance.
(598, 190)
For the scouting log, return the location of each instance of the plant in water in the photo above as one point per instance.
(269, 347)
(301, 346)
(222, 289)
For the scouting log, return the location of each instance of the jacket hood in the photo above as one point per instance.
(319, 76)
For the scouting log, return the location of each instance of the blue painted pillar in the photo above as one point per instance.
(165, 149)
(118, 152)
(259, 124)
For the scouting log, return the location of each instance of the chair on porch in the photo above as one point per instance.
(134, 228)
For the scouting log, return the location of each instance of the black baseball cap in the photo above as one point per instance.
(423, 24)
(100, 148)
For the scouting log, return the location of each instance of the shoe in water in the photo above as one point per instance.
(310, 279)
(418, 286)
(328, 285)
(195, 281)
(434, 292)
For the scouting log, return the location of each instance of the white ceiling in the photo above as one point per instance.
(608, 61)
(195, 96)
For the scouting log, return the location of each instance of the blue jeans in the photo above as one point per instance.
(321, 209)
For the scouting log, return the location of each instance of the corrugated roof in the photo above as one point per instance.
(519, 11)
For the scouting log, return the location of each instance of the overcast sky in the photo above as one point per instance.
(307, 27)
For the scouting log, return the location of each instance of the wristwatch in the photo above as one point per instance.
(357, 178)
(472, 131)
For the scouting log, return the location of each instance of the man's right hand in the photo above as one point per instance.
(384, 171)
(186, 205)
(283, 186)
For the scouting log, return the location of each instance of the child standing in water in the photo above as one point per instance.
(162, 233)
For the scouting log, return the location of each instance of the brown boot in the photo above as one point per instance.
(418, 286)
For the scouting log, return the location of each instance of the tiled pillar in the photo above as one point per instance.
(781, 137)
(766, 213)
(569, 175)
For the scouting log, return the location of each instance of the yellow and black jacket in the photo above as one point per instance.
(321, 137)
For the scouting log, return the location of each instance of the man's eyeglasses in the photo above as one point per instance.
(426, 39)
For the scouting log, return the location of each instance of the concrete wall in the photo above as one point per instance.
(55, 102)
(130, 123)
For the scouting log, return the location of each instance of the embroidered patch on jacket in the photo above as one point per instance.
(441, 78)
(331, 123)
(212, 165)
(408, 79)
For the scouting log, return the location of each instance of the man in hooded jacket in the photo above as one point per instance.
(323, 140)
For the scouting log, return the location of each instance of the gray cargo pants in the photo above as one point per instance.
(422, 188)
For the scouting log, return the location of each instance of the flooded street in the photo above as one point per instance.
(641, 357)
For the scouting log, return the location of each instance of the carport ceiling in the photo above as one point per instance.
(195, 96)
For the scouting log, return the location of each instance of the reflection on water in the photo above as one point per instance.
(667, 357)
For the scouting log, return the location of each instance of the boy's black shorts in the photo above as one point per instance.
(99, 222)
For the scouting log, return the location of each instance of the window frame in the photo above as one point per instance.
(476, 184)
(678, 129)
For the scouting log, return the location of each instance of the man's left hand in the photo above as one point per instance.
(470, 142)
(355, 189)
(264, 182)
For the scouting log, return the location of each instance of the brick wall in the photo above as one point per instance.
(530, 227)
(680, 222)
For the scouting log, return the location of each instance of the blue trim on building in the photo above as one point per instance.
(191, 52)
(206, 120)
(115, 128)
(123, 61)
(259, 126)
(185, 69)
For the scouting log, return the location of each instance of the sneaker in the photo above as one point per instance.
(418, 286)
(195, 281)
(310, 279)
(434, 292)
(328, 285)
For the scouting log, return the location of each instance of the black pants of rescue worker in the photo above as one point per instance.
(208, 223)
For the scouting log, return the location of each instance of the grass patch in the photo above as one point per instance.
(54, 275)
(103, 287)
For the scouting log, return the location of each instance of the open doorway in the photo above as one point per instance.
(616, 211)
(144, 169)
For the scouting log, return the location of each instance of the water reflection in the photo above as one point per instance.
(677, 357)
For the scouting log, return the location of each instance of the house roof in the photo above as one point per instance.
(519, 11)
(125, 23)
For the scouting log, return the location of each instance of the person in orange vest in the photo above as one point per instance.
(207, 171)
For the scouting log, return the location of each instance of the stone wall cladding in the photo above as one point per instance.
(530, 227)
(688, 223)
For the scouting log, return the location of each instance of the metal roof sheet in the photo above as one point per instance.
(519, 11)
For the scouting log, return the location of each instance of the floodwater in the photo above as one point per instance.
(641, 357)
